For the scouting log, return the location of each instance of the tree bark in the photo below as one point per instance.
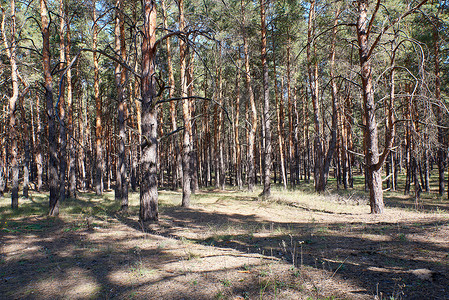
(253, 123)
(312, 69)
(61, 104)
(187, 141)
(70, 143)
(238, 155)
(280, 124)
(148, 188)
(98, 111)
(266, 106)
(52, 141)
(218, 139)
(439, 114)
(333, 141)
(11, 53)
(374, 177)
(173, 117)
(121, 189)
(291, 146)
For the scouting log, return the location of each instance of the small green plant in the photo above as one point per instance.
(296, 273)
(402, 237)
(226, 282)
(140, 270)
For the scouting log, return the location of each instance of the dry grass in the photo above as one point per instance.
(228, 245)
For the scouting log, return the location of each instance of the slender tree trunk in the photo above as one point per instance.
(52, 141)
(280, 125)
(71, 148)
(219, 159)
(61, 103)
(408, 142)
(171, 93)
(291, 146)
(312, 67)
(266, 107)
(238, 155)
(187, 141)
(333, 141)
(121, 190)
(11, 53)
(148, 188)
(98, 111)
(374, 176)
(38, 146)
(439, 113)
(253, 123)
(194, 184)
(26, 148)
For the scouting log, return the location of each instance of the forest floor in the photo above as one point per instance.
(227, 245)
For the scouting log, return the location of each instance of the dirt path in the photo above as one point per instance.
(228, 245)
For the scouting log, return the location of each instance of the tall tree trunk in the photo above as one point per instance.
(291, 146)
(70, 143)
(11, 53)
(238, 155)
(52, 141)
(333, 141)
(408, 135)
(98, 111)
(312, 67)
(218, 142)
(61, 103)
(171, 93)
(26, 147)
(266, 106)
(187, 142)
(253, 123)
(374, 177)
(306, 138)
(38, 146)
(121, 189)
(148, 188)
(194, 184)
(280, 124)
(439, 113)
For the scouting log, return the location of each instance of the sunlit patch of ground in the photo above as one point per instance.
(229, 244)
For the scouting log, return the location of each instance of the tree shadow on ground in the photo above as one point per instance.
(59, 259)
(379, 257)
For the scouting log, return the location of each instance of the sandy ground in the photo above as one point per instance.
(228, 245)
